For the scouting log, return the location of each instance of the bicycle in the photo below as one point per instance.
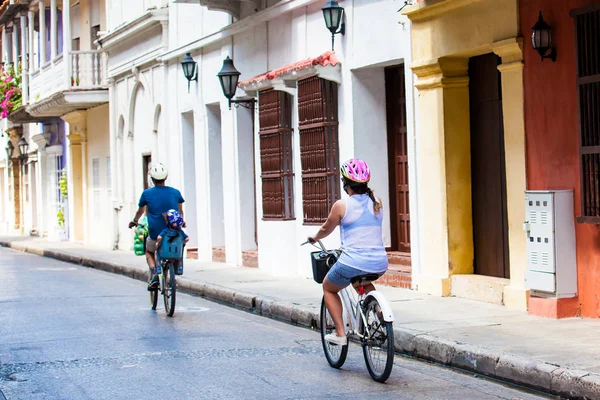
(368, 319)
(165, 269)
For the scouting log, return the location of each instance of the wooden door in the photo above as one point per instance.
(395, 89)
(488, 172)
(146, 163)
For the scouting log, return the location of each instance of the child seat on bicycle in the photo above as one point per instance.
(171, 241)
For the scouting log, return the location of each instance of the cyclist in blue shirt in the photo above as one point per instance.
(155, 202)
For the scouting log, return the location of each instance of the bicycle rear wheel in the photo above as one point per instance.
(378, 345)
(169, 288)
(335, 354)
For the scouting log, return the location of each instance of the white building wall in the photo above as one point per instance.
(123, 11)
(288, 38)
(99, 189)
(152, 101)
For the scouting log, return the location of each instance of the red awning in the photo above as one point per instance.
(324, 59)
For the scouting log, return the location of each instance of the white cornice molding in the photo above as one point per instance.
(240, 26)
(138, 25)
(139, 62)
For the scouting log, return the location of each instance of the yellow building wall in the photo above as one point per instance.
(464, 28)
(445, 34)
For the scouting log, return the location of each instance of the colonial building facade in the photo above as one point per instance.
(450, 106)
(56, 189)
(266, 176)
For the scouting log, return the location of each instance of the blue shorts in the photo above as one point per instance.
(341, 275)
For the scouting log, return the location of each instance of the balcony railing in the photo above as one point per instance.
(88, 69)
(82, 70)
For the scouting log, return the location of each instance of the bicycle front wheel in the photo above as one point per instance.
(153, 295)
(335, 354)
(378, 344)
(169, 288)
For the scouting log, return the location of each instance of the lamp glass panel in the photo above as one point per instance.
(233, 83)
(226, 85)
(188, 69)
(327, 14)
(546, 38)
(336, 17)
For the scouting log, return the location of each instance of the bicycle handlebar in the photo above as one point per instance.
(318, 241)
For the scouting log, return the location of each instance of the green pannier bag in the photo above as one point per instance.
(140, 234)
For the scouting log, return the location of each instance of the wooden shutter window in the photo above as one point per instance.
(318, 126)
(587, 34)
(276, 157)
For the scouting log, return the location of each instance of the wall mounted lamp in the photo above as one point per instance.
(334, 16)
(9, 149)
(23, 146)
(541, 38)
(190, 69)
(229, 77)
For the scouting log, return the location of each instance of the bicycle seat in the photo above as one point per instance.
(364, 279)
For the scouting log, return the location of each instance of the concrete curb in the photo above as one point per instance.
(569, 383)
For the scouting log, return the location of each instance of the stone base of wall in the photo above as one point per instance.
(218, 254)
(399, 272)
(250, 258)
(192, 253)
(484, 288)
(554, 308)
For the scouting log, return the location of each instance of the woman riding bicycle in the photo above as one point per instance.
(360, 218)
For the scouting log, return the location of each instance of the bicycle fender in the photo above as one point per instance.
(386, 308)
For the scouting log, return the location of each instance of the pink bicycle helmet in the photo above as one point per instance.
(356, 170)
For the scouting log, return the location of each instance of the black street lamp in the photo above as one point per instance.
(541, 38)
(190, 69)
(9, 149)
(23, 146)
(229, 77)
(334, 15)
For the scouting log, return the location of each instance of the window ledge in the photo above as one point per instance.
(588, 220)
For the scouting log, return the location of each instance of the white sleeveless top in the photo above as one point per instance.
(362, 236)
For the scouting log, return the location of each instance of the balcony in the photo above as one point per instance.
(232, 7)
(62, 86)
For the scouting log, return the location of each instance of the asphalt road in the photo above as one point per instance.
(69, 332)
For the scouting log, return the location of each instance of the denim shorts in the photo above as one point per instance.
(341, 275)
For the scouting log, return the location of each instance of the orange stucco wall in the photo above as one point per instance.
(551, 125)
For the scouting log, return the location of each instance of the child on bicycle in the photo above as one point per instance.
(360, 219)
(174, 230)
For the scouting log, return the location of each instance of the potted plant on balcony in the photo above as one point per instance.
(10, 90)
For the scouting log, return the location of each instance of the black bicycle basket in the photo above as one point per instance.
(321, 263)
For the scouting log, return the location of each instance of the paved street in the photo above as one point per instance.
(69, 332)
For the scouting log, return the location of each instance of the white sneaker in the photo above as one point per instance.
(335, 339)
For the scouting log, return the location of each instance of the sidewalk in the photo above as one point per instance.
(557, 356)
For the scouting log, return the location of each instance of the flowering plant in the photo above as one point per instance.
(10, 90)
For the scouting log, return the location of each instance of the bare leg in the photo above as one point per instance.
(334, 305)
(151, 261)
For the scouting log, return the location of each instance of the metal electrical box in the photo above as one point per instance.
(551, 257)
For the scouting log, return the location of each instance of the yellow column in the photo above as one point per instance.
(77, 164)
(14, 134)
(445, 172)
(511, 69)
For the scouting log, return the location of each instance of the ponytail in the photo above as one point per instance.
(363, 188)
(376, 204)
